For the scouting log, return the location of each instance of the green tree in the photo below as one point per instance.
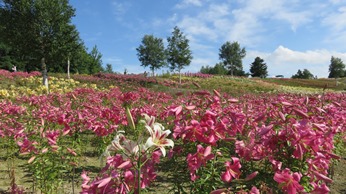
(95, 65)
(231, 55)
(17, 29)
(7, 61)
(218, 69)
(178, 51)
(336, 68)
(81, 61)
(258, 68)
(152, 53)
(305, 74)
(206, 69)
(109, 68)
(37, 29)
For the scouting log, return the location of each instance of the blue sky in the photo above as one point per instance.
(288, 34)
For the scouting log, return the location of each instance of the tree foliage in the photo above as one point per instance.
(96, 61)
(151, 53)
(7, 61)
(178, 50)
(34, 29)
(336, 68)
(258, 68)
(218, 69)
(231, 55)
(109, 68)
(305, 74)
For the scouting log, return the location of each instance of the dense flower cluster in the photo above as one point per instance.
(8, 74)
(132, 167)
(248, 144)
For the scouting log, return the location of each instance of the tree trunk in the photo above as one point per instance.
(44, 74)
(232, 71)
(179, 77)
(68, 67)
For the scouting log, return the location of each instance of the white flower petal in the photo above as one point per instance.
(169, 143)
(150, 130)
(158, 127)
(167, 132)
(149, 142)
(163, 150)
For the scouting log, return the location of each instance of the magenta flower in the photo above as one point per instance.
(320, 189)
(220, 191)
(52, 136)
(251, 176)
(232, 170)
(198, 159)
(288, 181)
(254, 190)
(86, 180)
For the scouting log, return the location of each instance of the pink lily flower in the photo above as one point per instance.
(232, 170)
(195, 161)
(289, 181)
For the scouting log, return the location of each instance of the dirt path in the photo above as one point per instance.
(339, 180)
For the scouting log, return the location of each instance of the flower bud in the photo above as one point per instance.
(130, 118)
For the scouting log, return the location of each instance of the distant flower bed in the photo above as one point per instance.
(8, 74)
(136, 78)
(200, 75)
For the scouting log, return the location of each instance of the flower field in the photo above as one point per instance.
(119, 134)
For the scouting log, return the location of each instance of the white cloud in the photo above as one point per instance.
(336, 21)
(187, 3)
(253, 23)
(120, 8)
(252, 17)
(246, 21)
(291, 18)
(336, 24)
(215, 12)
(246, 29)
(335, 1)
(286, 62)
(209, 24)
(114, 60)
(196, 27)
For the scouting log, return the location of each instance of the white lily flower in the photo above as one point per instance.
(158, 138)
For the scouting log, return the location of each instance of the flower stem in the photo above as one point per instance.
(139, 176)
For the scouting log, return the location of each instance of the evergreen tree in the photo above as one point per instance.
(259, 68)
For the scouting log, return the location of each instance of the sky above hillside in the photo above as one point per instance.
(288, 34)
